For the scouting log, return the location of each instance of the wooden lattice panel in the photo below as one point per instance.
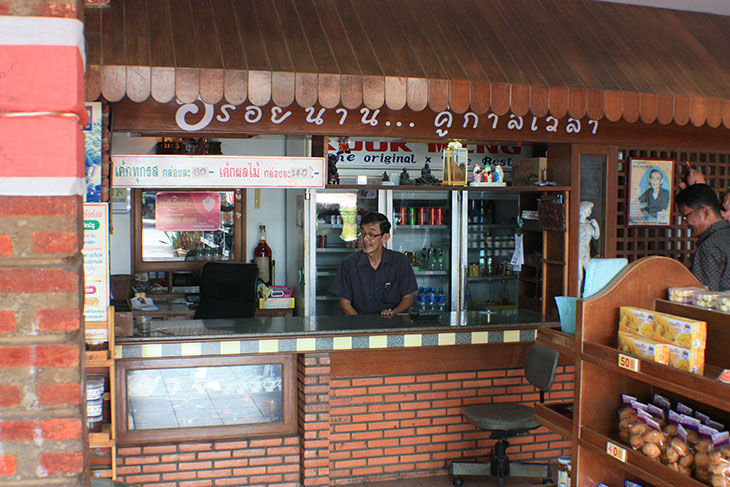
(674, 241)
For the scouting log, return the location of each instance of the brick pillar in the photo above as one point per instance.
(314, 417)
(42, 432)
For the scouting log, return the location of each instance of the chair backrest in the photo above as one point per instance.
(540, 367)
(227, 290)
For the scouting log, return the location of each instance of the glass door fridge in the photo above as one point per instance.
(426, 229)
(489, 220)
(334, 223)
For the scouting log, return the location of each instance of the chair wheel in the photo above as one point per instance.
(458, 482)
(547, 482)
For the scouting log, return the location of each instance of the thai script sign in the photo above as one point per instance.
(188, 211)
(193, 171)
(96, 261)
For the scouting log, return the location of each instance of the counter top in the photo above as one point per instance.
(328, 333)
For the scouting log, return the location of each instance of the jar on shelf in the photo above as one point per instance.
(564, 471)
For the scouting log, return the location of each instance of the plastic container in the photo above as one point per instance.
(722, 302)
(95, 408)
(564, 471)
(94, 388)
(705, 299)
(683, 294)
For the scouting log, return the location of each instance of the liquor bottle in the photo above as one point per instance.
(262, 257)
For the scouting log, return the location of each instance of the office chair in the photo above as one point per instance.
(227, 290)
(507, 420)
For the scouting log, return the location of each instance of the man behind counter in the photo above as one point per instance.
(374, 279)
(701, 210)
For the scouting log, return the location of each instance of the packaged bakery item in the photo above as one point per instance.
(680, 331)
(643, 347)
(683, 294)
(705, 299)
(723, 302)
(636, 320)
(691, 360)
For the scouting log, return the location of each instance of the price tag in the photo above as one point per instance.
(626, 362)
(616, 451)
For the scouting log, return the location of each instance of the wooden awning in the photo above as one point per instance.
(559, 57)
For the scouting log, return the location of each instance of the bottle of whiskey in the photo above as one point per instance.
(262, 257)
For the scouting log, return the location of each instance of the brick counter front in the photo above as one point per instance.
(399, 417)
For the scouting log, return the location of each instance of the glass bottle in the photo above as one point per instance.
(262, 257)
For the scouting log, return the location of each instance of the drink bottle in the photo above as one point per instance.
(440, 300)
(262, 257)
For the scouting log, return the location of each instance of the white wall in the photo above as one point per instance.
(271, 212)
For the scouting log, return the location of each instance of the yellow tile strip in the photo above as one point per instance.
(511, 336)
(306, 344)
(412, 340)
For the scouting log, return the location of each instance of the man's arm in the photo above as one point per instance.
(706, 268)
(405, 303)
(346, 307)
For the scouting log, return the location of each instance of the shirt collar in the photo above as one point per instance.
(713, 228)
(387, 257)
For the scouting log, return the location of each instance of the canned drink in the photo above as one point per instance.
(402, 215)
(422, 216)
(321, 241)
(411, 216)
(438, 216)
(432, 216)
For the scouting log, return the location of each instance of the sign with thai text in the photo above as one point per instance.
(193, 171)
(188, 211)
(96, 261)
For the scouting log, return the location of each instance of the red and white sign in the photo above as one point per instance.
(188, 211)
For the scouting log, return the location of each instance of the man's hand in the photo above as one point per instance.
(694, 176)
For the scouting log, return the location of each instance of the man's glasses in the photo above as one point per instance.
(686, 216)
(369, 236)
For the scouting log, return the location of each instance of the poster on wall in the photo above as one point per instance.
(188, 211)
(651, 182)
(92, 153)
(96, 261)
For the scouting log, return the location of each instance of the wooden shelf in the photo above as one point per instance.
(557, 417)
(635, 462)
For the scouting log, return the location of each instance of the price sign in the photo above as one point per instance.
(626, 362)
(616, 451)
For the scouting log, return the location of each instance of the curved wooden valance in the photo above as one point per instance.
(560, 57)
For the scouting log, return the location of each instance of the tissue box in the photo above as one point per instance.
(281, 292)
(276, 303)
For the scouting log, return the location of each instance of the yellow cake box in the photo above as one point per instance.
(643, 347)
(691, 360)
(663, 327)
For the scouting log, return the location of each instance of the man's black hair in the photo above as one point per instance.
(657, 171)
(698, 195)
(378, 218)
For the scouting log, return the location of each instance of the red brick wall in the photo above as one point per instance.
(412, 425)
(254, 462)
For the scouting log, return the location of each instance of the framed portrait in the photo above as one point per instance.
(651, 185)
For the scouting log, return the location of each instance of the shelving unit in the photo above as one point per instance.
(600, 381)
(101, 362)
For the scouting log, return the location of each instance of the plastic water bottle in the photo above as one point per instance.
(468, 299)
(429, 298)
(419, 300)
(440, 300)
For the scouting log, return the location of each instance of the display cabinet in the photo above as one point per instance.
(602, 376)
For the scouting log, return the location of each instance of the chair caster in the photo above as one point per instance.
(547, 482)
(458, 482)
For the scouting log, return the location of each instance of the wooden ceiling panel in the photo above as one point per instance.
(648, 107)
(726, 114)
(395, 92)
(235, 86)
(211, 85)
(557, 57)
(351, 91)
(417, 93)
(282, 88)
(328, 90)
(305, 89)
(162, 84)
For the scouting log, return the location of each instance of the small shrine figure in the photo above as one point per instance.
(404, 179)
(332, 176)
(427, 177)
(498, 174)
(343, 145)
(487, 174)
(476, 174)
(386, 180)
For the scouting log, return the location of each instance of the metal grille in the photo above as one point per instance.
(674, 241)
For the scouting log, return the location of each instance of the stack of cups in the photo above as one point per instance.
(95, 402)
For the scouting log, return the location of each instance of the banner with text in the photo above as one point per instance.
(96, 261)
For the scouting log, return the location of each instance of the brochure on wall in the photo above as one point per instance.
(96, 261)
(194, 171)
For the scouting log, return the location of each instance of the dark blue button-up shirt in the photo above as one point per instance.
(373, 290)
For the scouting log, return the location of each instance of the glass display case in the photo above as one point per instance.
(196, 398)
(490, 222)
